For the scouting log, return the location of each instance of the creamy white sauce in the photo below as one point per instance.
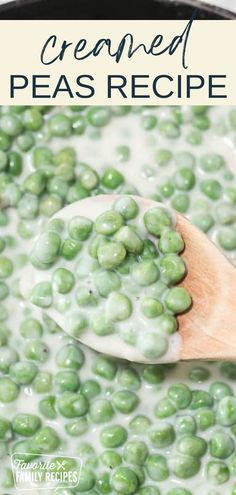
(99, 154)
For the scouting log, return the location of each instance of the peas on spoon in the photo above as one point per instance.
(132, 279)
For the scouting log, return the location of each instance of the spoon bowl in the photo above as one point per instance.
(207, 330)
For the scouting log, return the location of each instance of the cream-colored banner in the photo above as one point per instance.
(118, 62)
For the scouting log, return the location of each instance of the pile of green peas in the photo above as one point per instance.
(111, 274)
(139, 429)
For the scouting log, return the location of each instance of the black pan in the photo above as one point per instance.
(109, 9)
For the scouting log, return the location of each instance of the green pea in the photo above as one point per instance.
(172, 268)
(113, 436)
(219, 390)
(180, 202)
(35, 183)
(206, 418)
(9, 390)
(89, 179)
(72, 404)
(217, 472)
(50, 204)
(76, 192)
(26, 424)
(90, 388)
(47, 407)
(112, 178)
(86, 480)
(46, 440)
(80, 228)
(36, 350)
(46, 249)
(167, 189)
(129, 378)
(105, 367)
(184, 179)
(32, 119)
(101, 411)
(169, 129)
(185, 466)
(164, 408)
(6, 267)
(145, 273)
(25, 141)
(226, 411)
(57, 186)
(85, 297)
(42, 382)
(108, 222)
(211, 162)
(167, 324)
(110, 459)
(178, 300)
(31, 328)
(76, 324)
(111, 254)
(101, 325)
(201, 398)
(156, 219)
(60, 125)
(161, 435)
(5, 429)
(70, 249)
(77, 427)
(228, 369)
(99, 116)
(11, 125)
(192, 445)
(131, 240)
(203, 221)
(171, 242)
(221, 445)
(70, 356)
(154, 374)
(230, 193)
(157, 467)
(66, 156)
(149, 250)
(126, 206)
(67, 381)
(152, 345)
(180, 395)
(106, 281)
(225, 214)
(63, 280)
(226, 237)
(151, 307)
(185, 425)
(124, 481)
(125, 401)
(118, 307)
(163, 157)
(140, 424)
(211, 188)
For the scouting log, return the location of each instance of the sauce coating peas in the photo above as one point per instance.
(124, 252)
(140, 429)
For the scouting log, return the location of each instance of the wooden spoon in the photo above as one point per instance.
(208, 330)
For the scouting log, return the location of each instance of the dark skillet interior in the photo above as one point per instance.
(106, 9)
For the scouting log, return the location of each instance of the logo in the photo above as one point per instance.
(47, 471)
